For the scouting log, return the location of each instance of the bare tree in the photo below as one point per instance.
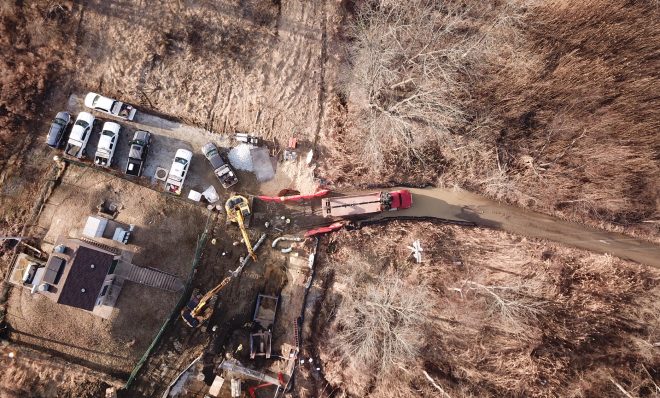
(405, 75)
(380, 323)
(512, 303)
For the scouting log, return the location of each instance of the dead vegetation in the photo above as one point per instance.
(33, 54)
(501, 317)
(549, 105)
(379, 321)
(34, 374)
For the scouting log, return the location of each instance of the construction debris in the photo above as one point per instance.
(240, 158)
(290, 153)
(210, 194)
(416, 251)
(194, 195)
(262, 164)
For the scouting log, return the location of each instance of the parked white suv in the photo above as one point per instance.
(107, 144)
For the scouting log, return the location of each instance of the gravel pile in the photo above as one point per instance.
(240, 158)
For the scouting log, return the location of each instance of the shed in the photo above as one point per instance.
(95, 227)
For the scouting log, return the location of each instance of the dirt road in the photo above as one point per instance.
(464, 206)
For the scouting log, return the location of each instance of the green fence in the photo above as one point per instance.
(175, 313)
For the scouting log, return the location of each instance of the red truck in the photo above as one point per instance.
(354, 205)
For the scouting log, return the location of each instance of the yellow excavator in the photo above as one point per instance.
(238, 210)
(194, 313)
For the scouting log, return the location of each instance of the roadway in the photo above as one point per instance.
(458, 205)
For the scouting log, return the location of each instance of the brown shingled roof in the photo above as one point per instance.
(83, 276)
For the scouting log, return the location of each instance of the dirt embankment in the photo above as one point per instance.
(489, 314)
(34, 374)
(36, 52)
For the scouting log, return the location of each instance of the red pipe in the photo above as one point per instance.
(294, 198)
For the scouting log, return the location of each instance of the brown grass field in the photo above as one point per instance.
(549, 105)
(485, 314)
(546, 104)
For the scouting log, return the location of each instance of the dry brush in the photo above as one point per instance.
(549, 105)
(500, 316)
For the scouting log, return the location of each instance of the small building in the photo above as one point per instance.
(89, 271)
(80, 273)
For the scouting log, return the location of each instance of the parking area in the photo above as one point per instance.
(167, 138)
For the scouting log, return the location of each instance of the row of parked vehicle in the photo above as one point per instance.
(81, 131)
(139, 145)
(182, 158)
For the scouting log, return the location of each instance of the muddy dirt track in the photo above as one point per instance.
(463, 206)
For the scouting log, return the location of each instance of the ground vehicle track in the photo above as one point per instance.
(457, 205)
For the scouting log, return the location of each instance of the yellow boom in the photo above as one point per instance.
(202, 302)
(237, 208)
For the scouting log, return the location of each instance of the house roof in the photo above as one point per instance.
(85, 278)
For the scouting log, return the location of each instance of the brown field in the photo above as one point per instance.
(550, 105)
(485, 314)
(34, 374)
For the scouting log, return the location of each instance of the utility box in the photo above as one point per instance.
(95, 226)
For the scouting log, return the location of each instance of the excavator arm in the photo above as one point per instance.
(238, 208)
(202, 302)
(246, 238)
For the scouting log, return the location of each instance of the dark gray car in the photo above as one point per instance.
(57, 128)
(138, 152)
(222, 170)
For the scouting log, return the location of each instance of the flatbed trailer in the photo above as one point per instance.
(355, 205)
(344, 206)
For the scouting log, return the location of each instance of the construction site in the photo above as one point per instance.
(269, 199)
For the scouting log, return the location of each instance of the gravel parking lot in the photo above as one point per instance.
(167, 138)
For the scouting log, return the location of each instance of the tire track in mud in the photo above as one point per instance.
(210, 117)
(463, 206)
(78, 34)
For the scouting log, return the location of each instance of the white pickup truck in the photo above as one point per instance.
(79, 135)
(178, 171)
(110, 106)
(107, 143)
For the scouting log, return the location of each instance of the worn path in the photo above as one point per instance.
(464, 206)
